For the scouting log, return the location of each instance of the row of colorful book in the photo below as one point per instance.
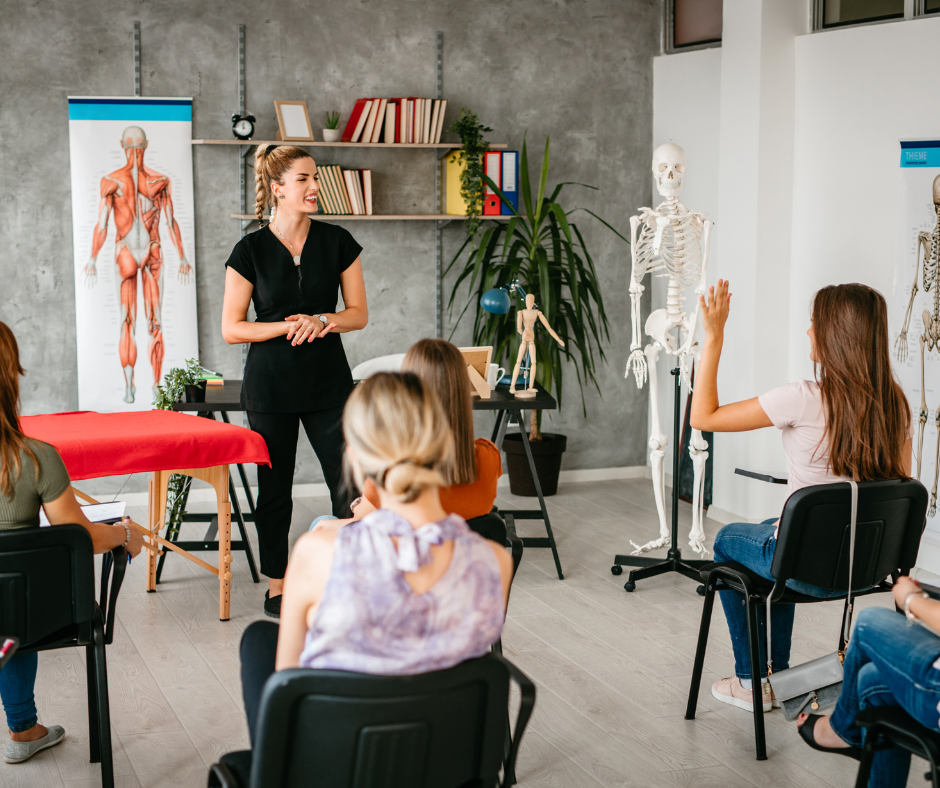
(502, 167)
(345, 192)
(415, 121)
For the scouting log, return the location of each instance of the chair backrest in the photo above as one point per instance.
(490, 526)
(47, 581)
(813, 543)
(436, 730)
(390, 363)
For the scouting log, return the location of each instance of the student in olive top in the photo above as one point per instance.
(292, 270)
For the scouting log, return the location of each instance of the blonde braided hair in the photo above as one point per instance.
(271, 163)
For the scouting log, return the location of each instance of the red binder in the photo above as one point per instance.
(492, 166)
(353, 120)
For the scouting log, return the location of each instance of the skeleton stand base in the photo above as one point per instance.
(650, 567)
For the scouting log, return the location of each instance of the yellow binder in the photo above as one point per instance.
(451, 201)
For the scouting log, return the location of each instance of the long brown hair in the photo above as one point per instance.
(12, 440)
(270, 168)
(442, 367)
(868, 420)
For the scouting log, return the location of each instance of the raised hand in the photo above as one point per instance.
(715, 308)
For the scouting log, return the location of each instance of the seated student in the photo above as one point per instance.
(471, 476)
(888, 663)
(852, 422)
(32, 475)
(409, 588)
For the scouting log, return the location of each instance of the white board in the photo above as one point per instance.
(139, 231)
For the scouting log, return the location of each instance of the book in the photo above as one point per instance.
(351, 189)
(340, 181)
(433, 127)
(367, 190)
(452, 202)
(360, 194)
(329, 200)
(510, 181)
(353, 122)
(416, 120)
(379, 120)
(363, 117)
(492, 164)
(391, 121)
(426, 121)
(409, 120)
(337, 206)
(400, 109)
(370, 123)
(440, 121)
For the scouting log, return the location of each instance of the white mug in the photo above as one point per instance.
(494, 375)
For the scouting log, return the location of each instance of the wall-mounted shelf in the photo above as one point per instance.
(393, 217)
(301, 144)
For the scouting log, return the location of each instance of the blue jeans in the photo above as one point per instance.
(319, 519)
(889, 662)
(17, 679)
(753, 546)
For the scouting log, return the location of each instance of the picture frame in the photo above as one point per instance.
(479, 358)
(293, 121)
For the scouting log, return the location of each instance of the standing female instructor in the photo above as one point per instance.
(292, 270)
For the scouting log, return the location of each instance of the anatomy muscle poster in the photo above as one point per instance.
(915, 312)
(132, 230)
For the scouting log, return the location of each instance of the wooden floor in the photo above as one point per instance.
(612, 670)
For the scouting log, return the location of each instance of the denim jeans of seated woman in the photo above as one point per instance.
(17, 679)
(753, 546)
(889, 662)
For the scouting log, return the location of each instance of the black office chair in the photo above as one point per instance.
(47, 600)
(332, 728)
(891, 726)
(493, 527)
(813, 548)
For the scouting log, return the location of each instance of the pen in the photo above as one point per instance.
(5, 648)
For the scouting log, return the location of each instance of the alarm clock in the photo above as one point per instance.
(243, 126)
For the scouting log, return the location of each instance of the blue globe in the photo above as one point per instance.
(496, 301)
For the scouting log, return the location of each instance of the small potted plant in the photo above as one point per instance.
(332, 133)
(182, 384)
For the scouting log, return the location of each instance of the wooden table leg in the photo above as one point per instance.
(221, 484)
(156, 511)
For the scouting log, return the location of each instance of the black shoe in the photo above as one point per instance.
(806, 732)
(272, 605)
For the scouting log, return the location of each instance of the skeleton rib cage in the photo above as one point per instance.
(673, 247)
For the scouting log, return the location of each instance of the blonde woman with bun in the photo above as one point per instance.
(292, 270)
(409, 588)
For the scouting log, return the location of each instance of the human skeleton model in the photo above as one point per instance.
(525, 325)
(928, 245)
(137, 194)
(673, 240)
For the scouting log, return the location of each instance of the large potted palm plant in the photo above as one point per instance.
(543, 250)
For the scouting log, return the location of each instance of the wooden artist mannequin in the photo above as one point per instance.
(525, 325)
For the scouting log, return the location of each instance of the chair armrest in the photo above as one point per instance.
(515, 543)
(764, 476)
(113, 566)
(527, 689)
(220, 776)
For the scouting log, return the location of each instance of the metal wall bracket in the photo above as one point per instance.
(438, 226)
(137, 58)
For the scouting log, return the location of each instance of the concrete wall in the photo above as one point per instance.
(580, 71)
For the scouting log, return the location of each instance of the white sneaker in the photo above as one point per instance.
(19, 751)
(730, 691)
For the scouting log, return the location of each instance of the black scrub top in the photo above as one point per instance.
(279, 377)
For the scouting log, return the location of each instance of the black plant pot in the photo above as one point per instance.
(547, 455)
(196, 392)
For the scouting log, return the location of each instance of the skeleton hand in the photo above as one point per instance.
(900, 346)
(637, 364)
(184, 272)
(90, 275)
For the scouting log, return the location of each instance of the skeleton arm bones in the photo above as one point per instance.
(105, 206)
(900, 344)
(637, 361)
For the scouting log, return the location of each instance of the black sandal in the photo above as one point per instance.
(807, 734)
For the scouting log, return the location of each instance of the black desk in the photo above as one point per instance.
(227, 397)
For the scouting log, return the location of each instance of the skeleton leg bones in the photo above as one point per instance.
(698, 451)
(922, 414)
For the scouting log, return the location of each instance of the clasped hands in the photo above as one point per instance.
(306, 327)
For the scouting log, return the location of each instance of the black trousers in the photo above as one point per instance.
(258, 652)
(324, 430)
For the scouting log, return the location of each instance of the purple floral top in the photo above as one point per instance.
(371, 621)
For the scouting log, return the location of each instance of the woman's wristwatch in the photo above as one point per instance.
(322, 319)
(907, 603)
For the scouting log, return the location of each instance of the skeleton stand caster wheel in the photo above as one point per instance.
(629, 586)
(616, 569)
(700, 590)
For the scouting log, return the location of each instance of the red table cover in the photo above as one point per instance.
(111, 444)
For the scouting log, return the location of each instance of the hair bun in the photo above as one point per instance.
(406, 479)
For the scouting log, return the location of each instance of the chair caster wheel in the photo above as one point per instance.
(629, 586)
(616, 569)
(700, 590)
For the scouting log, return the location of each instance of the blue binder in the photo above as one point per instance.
(510, 181)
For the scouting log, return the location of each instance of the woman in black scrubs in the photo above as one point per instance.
(296, 372)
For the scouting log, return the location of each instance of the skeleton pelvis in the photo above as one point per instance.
(659, 326)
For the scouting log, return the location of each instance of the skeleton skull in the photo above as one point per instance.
(669, 169)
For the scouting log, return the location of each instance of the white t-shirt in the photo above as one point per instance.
(796, 410)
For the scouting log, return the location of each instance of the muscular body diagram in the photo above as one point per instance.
(928, 256)
(137, 195)
(669, 240)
